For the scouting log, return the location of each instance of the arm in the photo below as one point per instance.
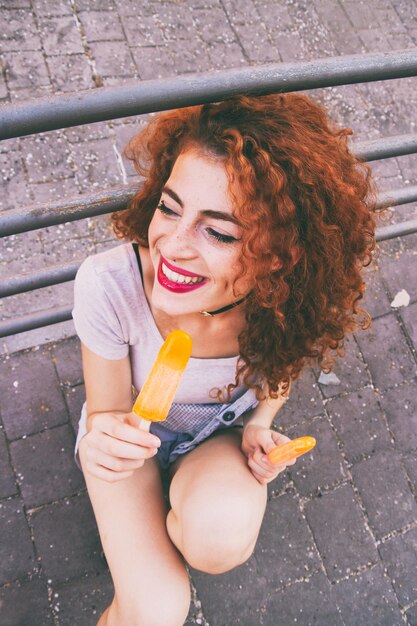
(258, 439)
(113, 447)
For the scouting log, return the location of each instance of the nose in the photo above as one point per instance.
(180, 242)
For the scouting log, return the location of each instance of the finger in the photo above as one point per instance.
(279, 438)
(108, 475)
(118, 429)
(258, 469)
(116, 464)
(125, 450)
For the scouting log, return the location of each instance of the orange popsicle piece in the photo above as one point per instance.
(291, 450)
(157, 394)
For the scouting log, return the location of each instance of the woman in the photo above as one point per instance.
(252, 226)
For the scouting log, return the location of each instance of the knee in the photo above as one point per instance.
(169, 609)
(213, 541)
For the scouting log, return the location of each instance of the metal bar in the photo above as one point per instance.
(62, 273)
(54, 316)
(397, 196)
(396, 230)
(52, 275)
(17, 221)
(74, 109)
(34, 320)
(385, 148)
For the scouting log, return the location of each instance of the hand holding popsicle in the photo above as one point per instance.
(157, 394)
(291, 450)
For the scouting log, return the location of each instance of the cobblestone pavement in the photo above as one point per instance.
(338, 543)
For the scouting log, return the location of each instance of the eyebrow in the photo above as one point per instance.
(218, 215)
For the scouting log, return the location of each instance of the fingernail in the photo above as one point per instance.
(264, 459)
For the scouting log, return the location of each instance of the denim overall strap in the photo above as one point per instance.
(227, 415)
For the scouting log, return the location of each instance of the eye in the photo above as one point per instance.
(164, 209)
(221, 237)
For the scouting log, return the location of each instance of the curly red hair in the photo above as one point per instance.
(307, 216)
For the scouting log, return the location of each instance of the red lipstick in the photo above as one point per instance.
(177, 287)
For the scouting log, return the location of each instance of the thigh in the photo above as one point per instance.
(131, 518)
(215, 497)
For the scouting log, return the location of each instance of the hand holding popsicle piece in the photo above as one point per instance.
(157, 394)
(291, 450)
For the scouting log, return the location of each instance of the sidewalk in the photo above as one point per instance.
(338, 544)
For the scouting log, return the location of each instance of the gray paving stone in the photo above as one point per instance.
(305, 402)
(3, 88)
(410, 464)
(25, 70)
(366, 599)
(45, 466)
(409, 318)
(350, 370)
(15, 4)
(60, 34)
(18, 31)
(220, 54)
(306, 603)
(75, 397)
(375, 300)
(67, 539)
(25, 603)
(400, 406)
(66, 356)
(17, 558)
(198, 57)
(153, 62)
(82, 601)
(212, 26)
(142, 30)
(113, 58)
(176, 21)
(70, 72)
(237, 597)
(412, 615)
(359, 422)
(8, 485)
(40, 163)
(256, 49)
(12, 180)
(285, 546)
(385, 493)
(399, 273)
(386, 352)
(96, 165)
(340, 532)
(28, 406)
(102, 26)
(95, 5)
(46, 193)
(322, 467)
(400, 558)
(48, 8)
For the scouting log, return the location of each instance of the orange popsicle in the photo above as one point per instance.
(157, 394)
(291, 450)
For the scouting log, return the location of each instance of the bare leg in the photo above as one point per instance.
(217, 505)
(149, 575)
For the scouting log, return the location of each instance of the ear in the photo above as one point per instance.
(276, 263)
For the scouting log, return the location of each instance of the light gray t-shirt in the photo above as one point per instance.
(112, 318)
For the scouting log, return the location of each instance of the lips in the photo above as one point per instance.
(167, 272)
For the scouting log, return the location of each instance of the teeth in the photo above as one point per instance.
(180, 278)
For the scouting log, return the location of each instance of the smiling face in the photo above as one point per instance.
(194, 239)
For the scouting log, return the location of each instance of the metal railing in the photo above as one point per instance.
(63, 111)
